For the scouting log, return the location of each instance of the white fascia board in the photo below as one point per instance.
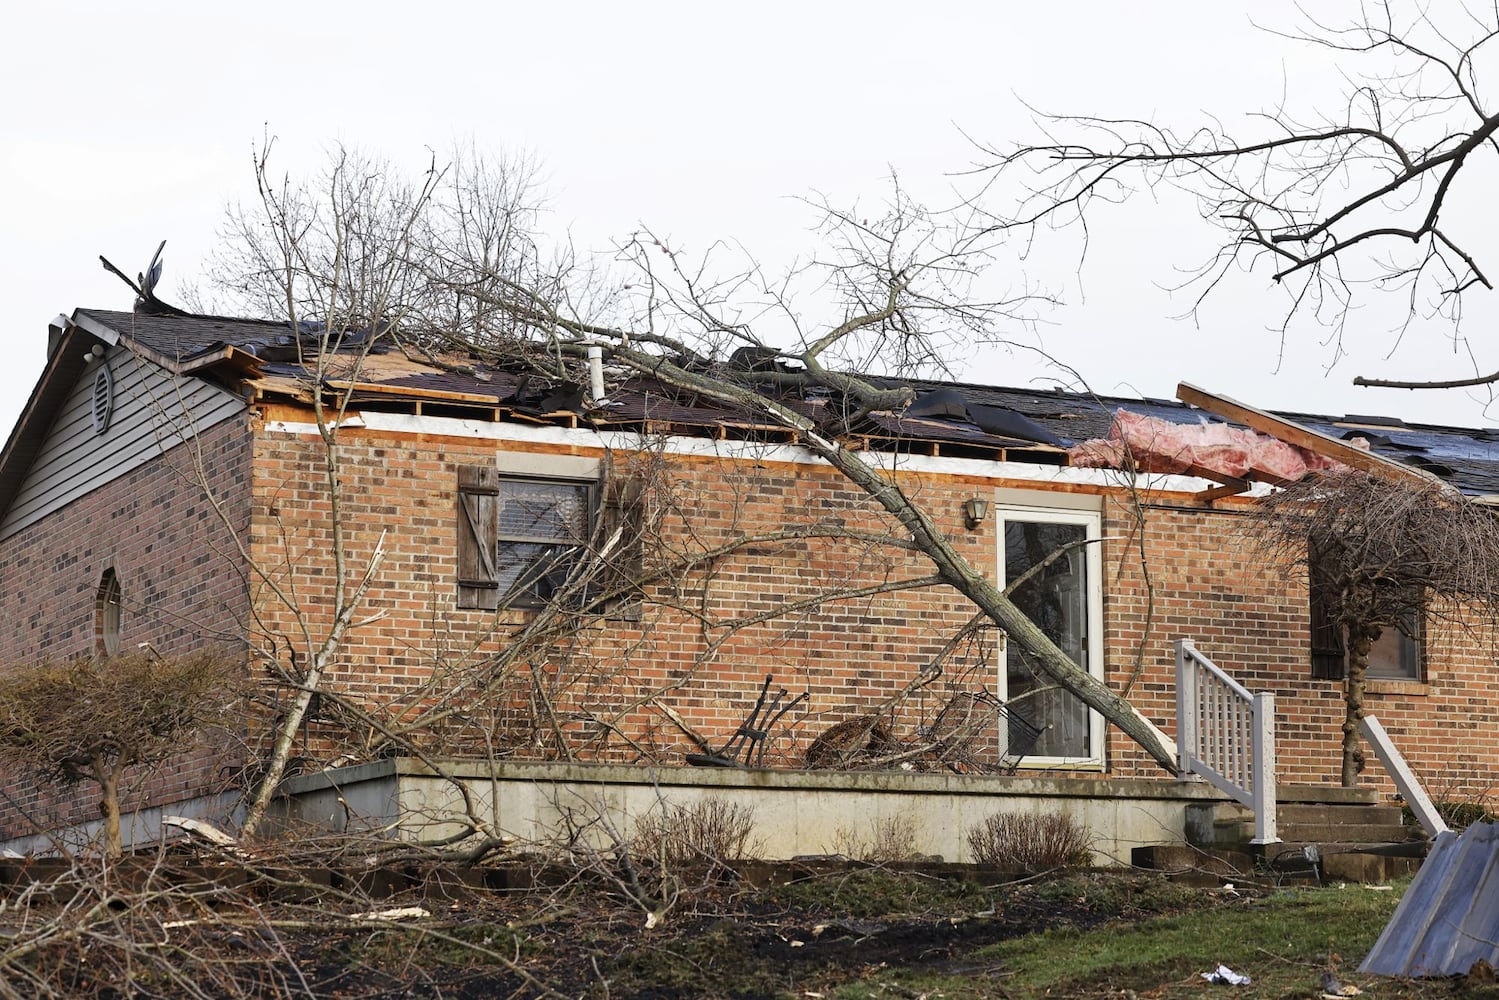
(87, 323)
(575, 437)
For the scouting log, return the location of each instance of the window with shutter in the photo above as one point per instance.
(1396, 654)
(542, 537)
(523, 540)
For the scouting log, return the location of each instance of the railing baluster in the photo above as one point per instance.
(1226, 735)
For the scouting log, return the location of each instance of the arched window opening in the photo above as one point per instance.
(107, 613)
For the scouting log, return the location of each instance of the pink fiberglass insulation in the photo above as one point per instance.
(1160, 446)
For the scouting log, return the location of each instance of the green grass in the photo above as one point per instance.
(1283, 941)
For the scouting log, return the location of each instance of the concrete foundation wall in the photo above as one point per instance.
(794, 812)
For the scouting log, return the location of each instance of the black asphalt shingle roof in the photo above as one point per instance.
(1467, 458)
(184, 337)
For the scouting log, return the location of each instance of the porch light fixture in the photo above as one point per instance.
(975, 510)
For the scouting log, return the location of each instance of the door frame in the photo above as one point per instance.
(1088, 514)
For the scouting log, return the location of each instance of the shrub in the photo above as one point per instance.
(891, 839)
(1030, 842)
(711, 831)
(91, 719)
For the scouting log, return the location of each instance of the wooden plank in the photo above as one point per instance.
(1227, 485)
(1405, 779)
(1304, 437)
(379, 389)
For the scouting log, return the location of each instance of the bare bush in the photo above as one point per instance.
(1380, 554)
(712, 831)
(890, 840)
(1030, 842)
(92, 719)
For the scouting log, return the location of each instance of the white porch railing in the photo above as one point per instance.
(1226, 735)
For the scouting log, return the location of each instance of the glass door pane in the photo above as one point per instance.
(1056, 599)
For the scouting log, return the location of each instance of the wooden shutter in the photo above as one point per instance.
(478, 535)
(622, 510)
(1329, 658)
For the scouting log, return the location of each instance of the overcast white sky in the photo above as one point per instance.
(126, 124)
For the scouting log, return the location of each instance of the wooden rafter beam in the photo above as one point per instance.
(1304, 437)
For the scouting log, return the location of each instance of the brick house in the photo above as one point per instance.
(168, 483)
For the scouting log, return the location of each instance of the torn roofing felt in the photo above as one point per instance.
(944, 417)
(949, 403)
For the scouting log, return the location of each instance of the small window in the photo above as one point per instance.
(1396, 654)
(107, 613)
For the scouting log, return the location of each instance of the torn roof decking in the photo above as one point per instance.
(969, 420)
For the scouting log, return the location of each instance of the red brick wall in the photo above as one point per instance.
(695, 653)
(692, 649)
(709, 633)
(182, 585)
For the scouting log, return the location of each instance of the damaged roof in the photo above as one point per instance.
(261, 359)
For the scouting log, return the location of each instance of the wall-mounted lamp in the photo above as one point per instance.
(95, 353)
(975, 509)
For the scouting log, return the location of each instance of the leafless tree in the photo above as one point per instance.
(441, 264)
(901, 281)
(1379, 555)
(1359, 197)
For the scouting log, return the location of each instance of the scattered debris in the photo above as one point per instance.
(204, 831)
(398, 913)
(1331, 987)
(1224, 976)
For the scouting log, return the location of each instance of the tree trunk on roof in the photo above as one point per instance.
(950, 565)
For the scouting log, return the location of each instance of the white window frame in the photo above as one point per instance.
(1091, 518)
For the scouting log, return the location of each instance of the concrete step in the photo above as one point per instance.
(1358, 836)
(1346, 862)
(1283, 862)
(1319, 813)
(1316, 833)
(1326, 795)
(1194, 865)
(1329, 815)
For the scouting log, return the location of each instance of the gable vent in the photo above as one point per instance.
(104, 399)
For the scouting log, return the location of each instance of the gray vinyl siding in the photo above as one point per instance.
(153, 411)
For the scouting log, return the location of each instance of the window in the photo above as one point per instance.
(542, 538)
(524, 539)
(1063, 599)
(1396, 655)
(107, 614)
